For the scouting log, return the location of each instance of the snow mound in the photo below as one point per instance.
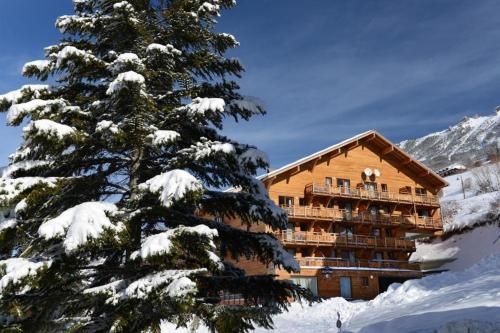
(79, 224)
(172, 185)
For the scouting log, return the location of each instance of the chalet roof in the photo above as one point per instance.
(386, 147)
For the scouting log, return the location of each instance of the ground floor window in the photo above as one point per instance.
(310, 283)
(365, 281)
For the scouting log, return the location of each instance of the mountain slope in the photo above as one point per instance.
(471, 139)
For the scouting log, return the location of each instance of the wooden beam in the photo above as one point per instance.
(408, 161)
(269, 182)
(425, 173)
(314, 162)
(388, 150)
(370, 137)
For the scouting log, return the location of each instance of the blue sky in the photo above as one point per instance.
(326, 69)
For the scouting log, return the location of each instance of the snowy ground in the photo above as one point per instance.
(444, 302)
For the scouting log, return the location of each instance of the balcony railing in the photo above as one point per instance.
(340, 262)
(340, 215)
(361, 193)
(341, 240)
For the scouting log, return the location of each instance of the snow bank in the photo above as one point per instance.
(172, 185)
(423, 305)
(79, 224)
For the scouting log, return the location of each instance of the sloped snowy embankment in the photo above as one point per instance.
(445, 302)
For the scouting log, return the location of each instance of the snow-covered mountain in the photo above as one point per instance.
(472, 139)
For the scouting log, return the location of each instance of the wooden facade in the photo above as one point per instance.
(354, 211)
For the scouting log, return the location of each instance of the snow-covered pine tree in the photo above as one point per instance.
(121, 154)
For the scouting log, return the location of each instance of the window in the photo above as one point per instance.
(388, 233)
(346, 231)
(328, 181)
(384, 187)
(372, 187)
(420, 191)
(304, 253)
(349, 256)
(375, 232)
(302, 201)
(365, 282)
(385, 209)
(345, 183)
(423, 213)
(373, 210)
(310, 283)
(303, 227)
(405, 190)
(391, 255)
(285, 201)
(378, 256)
(218, 219)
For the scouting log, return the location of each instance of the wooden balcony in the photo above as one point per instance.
(321, 262)
(361, 193)
(338, 215)
(340, 240)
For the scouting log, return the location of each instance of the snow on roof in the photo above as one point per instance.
(342, 144)
(314, 155)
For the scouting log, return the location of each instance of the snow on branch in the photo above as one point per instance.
(37, 66)
(14, 270)
(125, 80)
(248, 103)
(70, 53)
(11, 188)
(280, 255)
(254, 156)
(172, 185)
(163, 137)
(126, 61)
(200, 106)
(106, 126)
(206, 148)
(161, 244)
(80, 223)
(163, 49)
(176, 284)
(49, 128)
(17, 112)
(16, 96)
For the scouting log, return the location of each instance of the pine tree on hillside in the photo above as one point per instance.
(121, 155)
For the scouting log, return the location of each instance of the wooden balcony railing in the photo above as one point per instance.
(340, 262)
(361, 193)
(339, 215)
(334, 239)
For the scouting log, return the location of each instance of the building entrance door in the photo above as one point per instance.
(345, 287)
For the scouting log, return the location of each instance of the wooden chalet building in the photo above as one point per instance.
(355, 210)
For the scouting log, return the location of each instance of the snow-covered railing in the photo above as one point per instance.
(340, 262)
(325, 189)
(360, 241)
(341, 215)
